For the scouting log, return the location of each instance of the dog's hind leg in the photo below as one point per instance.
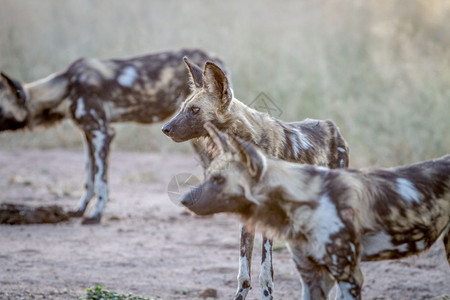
(266, 275)
(245, 261)
(101, 140)
(89, 187)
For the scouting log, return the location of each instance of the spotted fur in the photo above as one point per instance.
(317, 142)
(95, 93)
(331, 219)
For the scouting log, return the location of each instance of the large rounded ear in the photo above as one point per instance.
(219, 138)
(15, 88)
(216, 83)
(195, 72)
(250, 155)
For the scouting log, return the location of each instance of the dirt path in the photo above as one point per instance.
(146, 244)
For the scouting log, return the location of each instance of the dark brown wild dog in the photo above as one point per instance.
(331, 219)
(95, 93)
(310, 141)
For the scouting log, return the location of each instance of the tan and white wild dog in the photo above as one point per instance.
(331, 219)
(94, 93)
(310, 141)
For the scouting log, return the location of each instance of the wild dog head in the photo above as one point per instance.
(13, 109)
(211, 95)
(229, 180)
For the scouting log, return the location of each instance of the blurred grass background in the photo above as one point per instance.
(380, 69)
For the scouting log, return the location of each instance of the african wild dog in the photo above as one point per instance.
(95, 93)
(310, 141)
(331, 219)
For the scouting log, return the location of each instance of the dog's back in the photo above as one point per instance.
(319, 141)
(142, 89)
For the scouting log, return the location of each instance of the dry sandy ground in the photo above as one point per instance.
(148, 245)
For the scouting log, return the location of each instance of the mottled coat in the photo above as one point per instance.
(315, 142)
(331, 219)
(95, 93)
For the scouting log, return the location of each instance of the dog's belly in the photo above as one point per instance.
(380, 245)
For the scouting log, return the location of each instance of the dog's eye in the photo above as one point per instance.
(218, 180)
(195, 109)
(19, 96)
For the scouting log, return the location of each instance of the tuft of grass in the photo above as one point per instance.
(98, 293)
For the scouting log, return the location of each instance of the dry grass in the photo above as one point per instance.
(380, 69)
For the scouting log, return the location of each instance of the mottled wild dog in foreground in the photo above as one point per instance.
(311, 142)
(331, 219)
(95, 93)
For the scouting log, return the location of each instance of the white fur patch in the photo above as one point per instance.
(343, 292)
(295, 147)
(325, 222)
(265, 277)
(98, 141)
(306, 294)
(100, 186)
(83, 77)
(407, 190)
(421, 245)
(334, 259)
(80, 111)
(380, 242)
(321, 168)
(340, 149)
(304, 142)
(243, 270)
(128, 76)
(298, 141)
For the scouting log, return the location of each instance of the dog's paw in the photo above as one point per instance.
(91, 220)
(243, 290)
(75, 213)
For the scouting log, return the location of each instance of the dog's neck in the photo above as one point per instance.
(246, 122)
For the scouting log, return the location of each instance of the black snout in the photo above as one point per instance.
(166, 129)
(187, 200)
(1, 112)
(192, 197)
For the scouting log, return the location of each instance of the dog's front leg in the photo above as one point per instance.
(266, 275)
(316, 280)
(350, 286)
(343, 263)
(101, 140)
(245, 261)
(89, 187)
